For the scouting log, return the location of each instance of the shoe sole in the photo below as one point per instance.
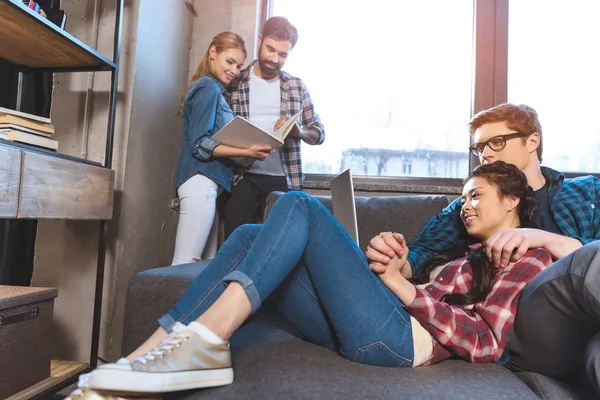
(158, 382)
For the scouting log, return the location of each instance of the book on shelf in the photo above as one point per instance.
(26, 123)
(242, 134)
(57, 17)
(13, 127)
(28, 138)
(24, 115)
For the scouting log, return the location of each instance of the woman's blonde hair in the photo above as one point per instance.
(222, 41)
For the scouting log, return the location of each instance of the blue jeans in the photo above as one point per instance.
(325, 287)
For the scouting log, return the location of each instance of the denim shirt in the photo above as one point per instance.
(205, 112)
(574, 204)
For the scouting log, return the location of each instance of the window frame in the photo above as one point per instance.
(489, 85)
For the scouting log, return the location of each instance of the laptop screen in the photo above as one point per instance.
(344, 207)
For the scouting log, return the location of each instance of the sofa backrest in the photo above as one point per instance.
(403, 214)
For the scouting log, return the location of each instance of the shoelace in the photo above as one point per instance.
(83, 381)
(76, 393)
(167, 345)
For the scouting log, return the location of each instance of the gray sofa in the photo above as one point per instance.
(272, 363)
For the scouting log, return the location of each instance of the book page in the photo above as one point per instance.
(242, 134)
(285, 129)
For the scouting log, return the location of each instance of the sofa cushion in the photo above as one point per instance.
(403, 214)
(270, 363)
(551, 389)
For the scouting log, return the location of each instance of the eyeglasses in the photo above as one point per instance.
(496, 143)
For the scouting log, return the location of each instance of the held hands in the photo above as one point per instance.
(387, 253)
(395, 271)
(259, 151)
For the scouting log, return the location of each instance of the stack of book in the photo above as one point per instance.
(35, 7)
(26, 128)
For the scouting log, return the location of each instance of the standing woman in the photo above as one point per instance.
(204, 169)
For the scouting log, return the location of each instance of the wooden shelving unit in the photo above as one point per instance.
(24, 39)
(44, 185)
(35, 183)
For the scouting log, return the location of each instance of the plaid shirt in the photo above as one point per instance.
(294, 98)
(573, 203)
(476, 332)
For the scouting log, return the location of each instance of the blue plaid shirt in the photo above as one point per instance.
(573, 203)
(294, 98)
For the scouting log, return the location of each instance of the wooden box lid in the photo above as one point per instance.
(15, 296)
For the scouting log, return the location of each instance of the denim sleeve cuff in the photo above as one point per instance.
(166, 322)
(205, 148)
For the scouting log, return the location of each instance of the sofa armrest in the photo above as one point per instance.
(150, 295)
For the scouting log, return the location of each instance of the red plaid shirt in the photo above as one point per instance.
(294, 98)
(475, 332)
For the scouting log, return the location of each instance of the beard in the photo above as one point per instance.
(268, 68)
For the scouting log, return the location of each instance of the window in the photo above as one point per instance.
(391, 81)
(554, 66)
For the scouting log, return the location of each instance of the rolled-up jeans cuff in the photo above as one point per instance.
(248, 286)
(167, 322)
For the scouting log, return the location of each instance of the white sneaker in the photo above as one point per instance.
(83, 381)
(182, 361)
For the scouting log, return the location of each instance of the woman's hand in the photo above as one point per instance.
(259, 151)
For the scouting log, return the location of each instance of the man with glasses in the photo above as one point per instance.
(557, 327)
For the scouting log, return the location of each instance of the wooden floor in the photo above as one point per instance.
(59, 372)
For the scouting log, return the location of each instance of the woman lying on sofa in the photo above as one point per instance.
(460, 305)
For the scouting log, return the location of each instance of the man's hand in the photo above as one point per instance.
(280, 122)
(307, 135)
(383, 247)
(259, 151)
(295, 129)
(509, 245)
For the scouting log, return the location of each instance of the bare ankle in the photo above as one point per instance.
(228, 313)
(149, 344)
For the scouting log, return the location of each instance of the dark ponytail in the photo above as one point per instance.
(509, 181)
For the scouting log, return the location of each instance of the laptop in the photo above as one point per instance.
(344, 207)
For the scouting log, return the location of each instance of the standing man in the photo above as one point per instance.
(267, 96)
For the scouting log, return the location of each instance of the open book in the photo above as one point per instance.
(242, 134)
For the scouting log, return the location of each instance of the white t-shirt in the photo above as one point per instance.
(265, 103)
